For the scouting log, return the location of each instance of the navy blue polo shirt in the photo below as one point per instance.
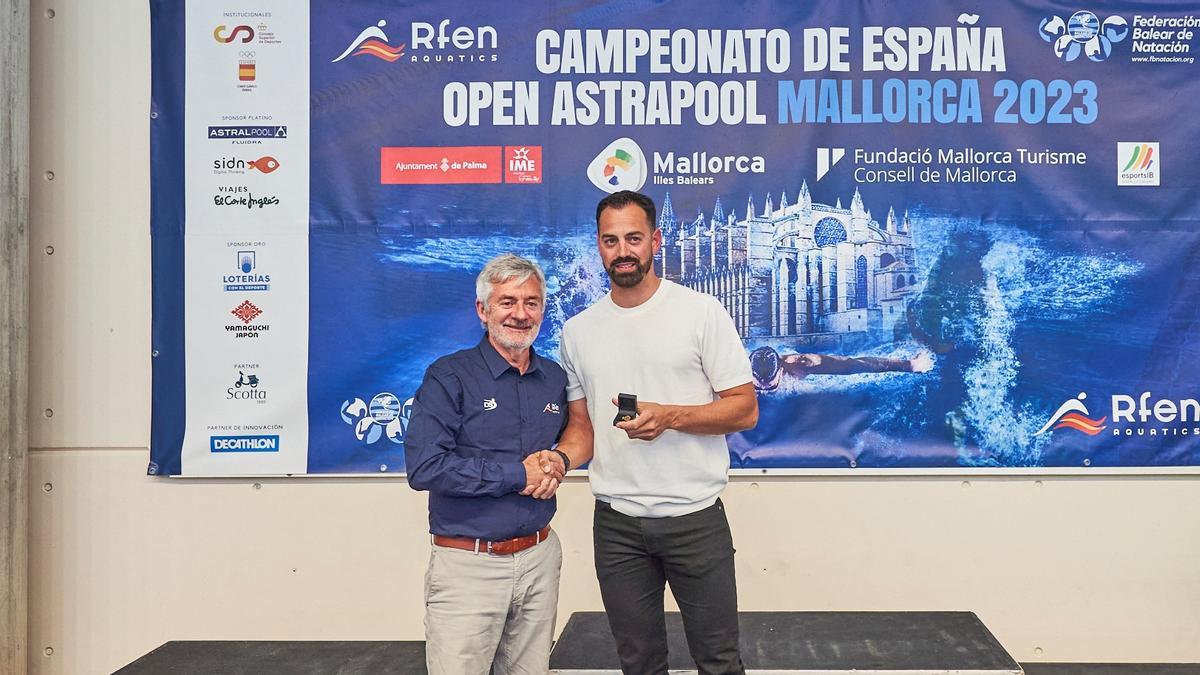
(474, 419)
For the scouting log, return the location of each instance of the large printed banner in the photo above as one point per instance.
(950, 234)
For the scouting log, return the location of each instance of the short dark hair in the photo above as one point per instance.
(619, 200)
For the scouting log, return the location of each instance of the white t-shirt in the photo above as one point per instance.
(679, 347)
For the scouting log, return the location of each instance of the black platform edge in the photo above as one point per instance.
(281, 657)
(1111, 668)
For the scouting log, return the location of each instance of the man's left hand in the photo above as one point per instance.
(651, 421)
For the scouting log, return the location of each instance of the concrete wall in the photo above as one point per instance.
(1060, 568)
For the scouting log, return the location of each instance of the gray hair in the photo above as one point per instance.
(503, 268)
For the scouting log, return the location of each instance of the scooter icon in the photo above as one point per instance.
(250, 380)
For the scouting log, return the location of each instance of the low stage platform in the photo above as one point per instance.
(812, 643)
(913, 643)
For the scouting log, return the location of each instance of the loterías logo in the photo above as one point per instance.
(1083, 33)
(1074, 415)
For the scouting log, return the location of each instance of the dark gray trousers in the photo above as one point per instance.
(635, 557)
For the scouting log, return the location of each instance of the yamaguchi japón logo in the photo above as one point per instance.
(383, 416)
(620, 166)
(1138, 163)
(1083, 33)
(372, 41)
(1074, 415)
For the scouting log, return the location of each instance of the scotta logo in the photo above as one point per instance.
(620, 166)
(247, 386)
(1083, 33)
(372, 41)
(245, 33)
(259, 443)
(1138, 163)
(247, 279)
(827, 158)
(383, 417)
(1073, 415)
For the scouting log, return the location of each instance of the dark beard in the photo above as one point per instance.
(629, 279)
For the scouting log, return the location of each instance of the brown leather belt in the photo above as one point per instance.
(506, 547)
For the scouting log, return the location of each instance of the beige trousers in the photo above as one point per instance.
(483, 610)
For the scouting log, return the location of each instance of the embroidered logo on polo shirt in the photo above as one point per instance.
(551, 408)
(489, 403)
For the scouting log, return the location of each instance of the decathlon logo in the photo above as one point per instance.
(1083, 33)
(1073, 415)
(244, 443)
(372, 41)
(620, 166)
(827, 158)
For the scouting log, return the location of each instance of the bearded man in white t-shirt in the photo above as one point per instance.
(657, 477)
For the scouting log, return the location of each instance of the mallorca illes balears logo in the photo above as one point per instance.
(620, 166)
(1073, 415)
(1083, 33)
(1138, 163)
(383, 416)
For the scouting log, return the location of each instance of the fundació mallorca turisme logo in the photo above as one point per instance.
(1073, 415)
(1083, 33)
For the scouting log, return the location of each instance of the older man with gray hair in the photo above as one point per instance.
(477, 441)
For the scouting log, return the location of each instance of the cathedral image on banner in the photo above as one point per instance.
(798, 269)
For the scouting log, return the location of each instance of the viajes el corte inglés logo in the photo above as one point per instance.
(1083, 33)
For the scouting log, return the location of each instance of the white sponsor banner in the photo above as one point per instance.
(246, 244)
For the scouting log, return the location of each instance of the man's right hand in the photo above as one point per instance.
(543, 474)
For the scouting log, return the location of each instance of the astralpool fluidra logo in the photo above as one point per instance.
(1083, 33)
(1142, 415)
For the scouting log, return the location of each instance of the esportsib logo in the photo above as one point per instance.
(1074, 415)
(261, 443)
(1138, 163)
(620, 166)
(1083, 32)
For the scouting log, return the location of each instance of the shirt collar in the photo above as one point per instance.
(496, 363)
